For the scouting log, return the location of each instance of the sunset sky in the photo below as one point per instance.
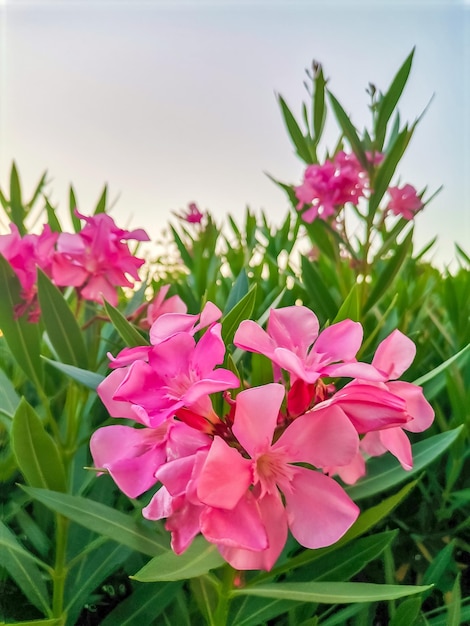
(173, 102)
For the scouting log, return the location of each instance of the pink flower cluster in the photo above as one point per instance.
(96, 260)
(245, 476)
(328, 187)
(25, 254)
(404, 201)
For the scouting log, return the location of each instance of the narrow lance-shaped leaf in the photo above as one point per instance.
(391, 269)
(143, 606)
(295, 133)
(101, 204)
(387, 169)
(73, 206)
(238, 292)
(348, 129)
(103, 520)
(61, 325)
(347, 561)
(91, 380)
(241, 311)
(390, 99)
(385, 471)
(318, 292)
(37, 191)
(319, 109)
(9, 399)
(22, 337)
(17, 210)
(52, 218)
(129, 334)
(36, 452)
(330, 593)
(197, 560)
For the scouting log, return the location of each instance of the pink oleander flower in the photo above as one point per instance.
(383, 399)
(327, 187)
(404, 201)
(192, 215)
(25, 254)
(293, 342)
(132, 456)
(175, 375)
(149, 312)
(97, 259)
(255, 472)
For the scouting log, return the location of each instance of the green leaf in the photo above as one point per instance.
(9, 399)
(252, 611)
(36, 452)
(348, 129)
(318, 291)
(330, 593)
(61, 325)
(435, 380)
(101, 204)
(454, 615)
(407, 612)
(295, 133)
(101, 563)
(238, 292)
(197, 560)
(129, 334)
(241, 311)
(22, 337)
(387, 168)
(77, 225)
(143, 606)
(390, 99)
(52, 218)
(17, 210)
(347, 561)
(21, 565)
(439, 566)
(350, 308)
(37, 191)
(86, 378)
(385, 471)
(391, 269)
(319, 109)
(103, 520)
(185, 255)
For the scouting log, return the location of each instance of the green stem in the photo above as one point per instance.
(60, 568)
(221, 612)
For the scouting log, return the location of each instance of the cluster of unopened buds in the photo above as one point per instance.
(269, 462)
(95, 260)
(327, 187)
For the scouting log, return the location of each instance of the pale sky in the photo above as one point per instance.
(173, 102)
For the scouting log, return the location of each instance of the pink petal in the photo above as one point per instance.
(240, 527)
(417, 406)
(274, 518)
(321, 438)
(250, 336)
(256, 414)
(319, 511)
(339, 342)
(293, 327)
(225, 477)
(132, 456)
(219, 380)
(396, 442)
(106, 390)
(394, 355)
